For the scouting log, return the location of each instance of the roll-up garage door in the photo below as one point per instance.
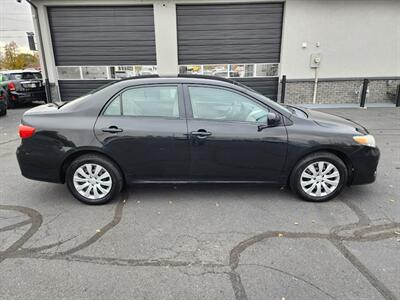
(241, 41)
(105, 37)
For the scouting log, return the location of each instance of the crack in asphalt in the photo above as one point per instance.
(361, 231)
(9, 141)
(293, 276)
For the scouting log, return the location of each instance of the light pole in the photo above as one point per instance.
(39, 34)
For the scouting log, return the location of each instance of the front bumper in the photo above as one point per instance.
(364, 163)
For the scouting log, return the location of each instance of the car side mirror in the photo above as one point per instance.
(273, 120)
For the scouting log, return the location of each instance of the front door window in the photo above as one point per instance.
(220, 104)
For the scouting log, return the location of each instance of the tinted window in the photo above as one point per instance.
(220, 104)
(157, 101)
(26, 75)
(114, 109)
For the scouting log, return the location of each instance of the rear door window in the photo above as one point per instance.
(151, 101)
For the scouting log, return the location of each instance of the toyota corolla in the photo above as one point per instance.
(191, 129)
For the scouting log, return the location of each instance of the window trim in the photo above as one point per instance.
(181, 105)
(189, 110)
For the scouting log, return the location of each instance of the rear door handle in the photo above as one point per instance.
(200, 134)
(112, 129)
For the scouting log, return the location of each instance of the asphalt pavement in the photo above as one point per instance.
(214, 241)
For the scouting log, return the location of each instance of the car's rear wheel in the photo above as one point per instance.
(319, 177)
(93, 179)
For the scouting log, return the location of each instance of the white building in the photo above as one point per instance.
(340, 42)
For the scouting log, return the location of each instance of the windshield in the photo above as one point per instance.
(26, 75)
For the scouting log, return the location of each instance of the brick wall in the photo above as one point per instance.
(339, 91)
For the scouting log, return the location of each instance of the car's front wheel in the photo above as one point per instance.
(319, 177)
(93, 179)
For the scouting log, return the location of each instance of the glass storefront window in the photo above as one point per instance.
(121, 72)
(266, 69)
(232, 70)
(94, 73)
(145, 70)
(104, 72)
(69, 72)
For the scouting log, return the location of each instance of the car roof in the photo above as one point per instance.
(181, 78)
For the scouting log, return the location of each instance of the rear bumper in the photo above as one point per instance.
(33, 166)
(26, 97)
(365, 163)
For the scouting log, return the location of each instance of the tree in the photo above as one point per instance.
(12, 59)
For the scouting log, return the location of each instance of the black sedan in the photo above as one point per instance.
(191, 129)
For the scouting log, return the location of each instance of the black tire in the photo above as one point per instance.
(107, 164)
(3, 112)
(10, 103)
(295, 177)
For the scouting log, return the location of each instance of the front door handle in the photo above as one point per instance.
(112, 129)
(200, 134)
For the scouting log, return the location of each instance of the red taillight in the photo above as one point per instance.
(26, 131)
(11, 86)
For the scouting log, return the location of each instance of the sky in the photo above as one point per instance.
(15, 21)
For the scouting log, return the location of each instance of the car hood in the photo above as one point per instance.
(333, 121)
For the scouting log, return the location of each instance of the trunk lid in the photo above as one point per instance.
(44, 109)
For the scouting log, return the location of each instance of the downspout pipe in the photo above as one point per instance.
(314, 100)
(39, 34)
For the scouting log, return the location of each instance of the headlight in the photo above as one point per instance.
(366, 140)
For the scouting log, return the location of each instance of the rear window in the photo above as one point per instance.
(26, 75)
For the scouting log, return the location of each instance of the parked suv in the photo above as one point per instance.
(22, 86)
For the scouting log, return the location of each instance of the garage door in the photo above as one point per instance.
(240, 41)
(97, 44)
